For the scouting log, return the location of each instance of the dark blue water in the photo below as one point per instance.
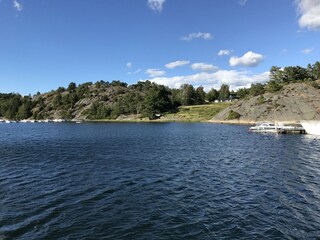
(157, 181)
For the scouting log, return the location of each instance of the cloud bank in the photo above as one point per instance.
(250, 59)
(309, 11)
(235, 79)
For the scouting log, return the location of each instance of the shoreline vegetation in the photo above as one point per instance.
(195, 113)
(291, 94)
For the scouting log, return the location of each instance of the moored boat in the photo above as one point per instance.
(282, 128)
(265, 127)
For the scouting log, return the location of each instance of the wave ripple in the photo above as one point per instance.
(157, 181)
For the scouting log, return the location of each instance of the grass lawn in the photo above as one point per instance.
(198, 112)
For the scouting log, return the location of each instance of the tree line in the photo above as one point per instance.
(103, 100)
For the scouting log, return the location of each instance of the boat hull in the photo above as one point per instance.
(311, 127)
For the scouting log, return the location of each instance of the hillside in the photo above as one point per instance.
(291, 94)
(296, 101)
(102, 100)
(112, 101)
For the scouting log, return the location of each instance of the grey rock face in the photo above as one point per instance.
(298, 101)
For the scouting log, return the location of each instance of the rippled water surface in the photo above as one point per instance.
(156, 181)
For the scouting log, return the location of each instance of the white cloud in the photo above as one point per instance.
(18, 6)
(191, 36)
(243, 2)
(223, 52)
(156, 5)
(153, 72)
(176, 64)
(204, 67)
(309, 11)
(307, 50)
(129, 65)
(250, 59)
(235, 79)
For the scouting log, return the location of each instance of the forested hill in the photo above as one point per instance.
(104, 100)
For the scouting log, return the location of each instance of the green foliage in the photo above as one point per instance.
(102, 84)
(83, 90)
(100, 111)
(260, 100)
(233, 115)
(291, 74)
(72, 87)
(176, 97)
(24, 111)
(61, 89)
(313, 71)
(277, 75)
(157, 100)
(315, 85)
(141, 86)
(224, 92)
(117, 83)
(57, 101)
(65, 114)
(242, 93)
(200, 95)
(40, 103)
(14, 106)
(133, 102)
(212, 95)
(294, 74)
(257, 89)
(187, 95)
(273, 86)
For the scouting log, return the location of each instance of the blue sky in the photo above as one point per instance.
(46, 44)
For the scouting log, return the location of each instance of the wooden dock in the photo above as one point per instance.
(298, 130)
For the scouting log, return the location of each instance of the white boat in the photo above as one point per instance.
(265, 127)
(58, 120)
(311, 127)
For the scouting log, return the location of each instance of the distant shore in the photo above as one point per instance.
(146, 120)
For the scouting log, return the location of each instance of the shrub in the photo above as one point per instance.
(316, 85)
(260, 100)
(233, 115)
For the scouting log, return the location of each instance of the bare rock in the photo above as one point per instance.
(297, 101)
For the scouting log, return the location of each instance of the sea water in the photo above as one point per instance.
(156, 181)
